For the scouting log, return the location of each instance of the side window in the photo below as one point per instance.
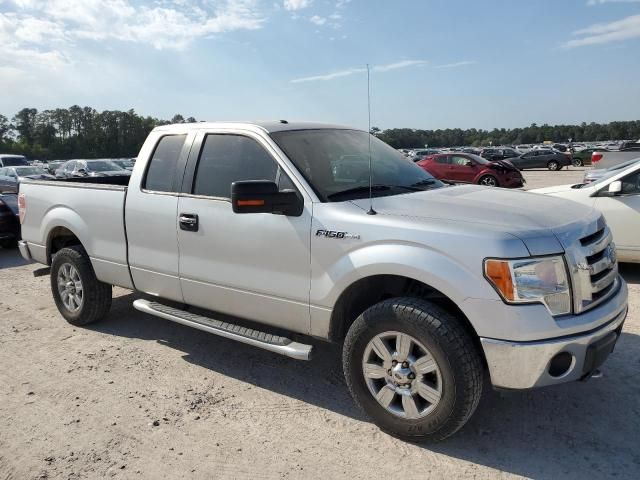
(230, 158)
(162, 166)
(631, 184)
(445, 160)
(459, 161)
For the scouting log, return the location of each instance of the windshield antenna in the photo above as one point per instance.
(371, 211)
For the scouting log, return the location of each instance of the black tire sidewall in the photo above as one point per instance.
(440, 422)
(497, 184)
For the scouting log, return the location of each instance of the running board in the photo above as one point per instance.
(266, 341)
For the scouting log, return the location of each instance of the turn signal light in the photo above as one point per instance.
(250, 203)
(499, 273)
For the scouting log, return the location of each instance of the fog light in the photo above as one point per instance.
(560, 364)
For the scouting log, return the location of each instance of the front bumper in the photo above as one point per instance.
(522, 365)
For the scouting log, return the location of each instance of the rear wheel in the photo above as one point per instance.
(80, 297)
(553, 165)
(489, 181)
(413, 368)
(578, 162)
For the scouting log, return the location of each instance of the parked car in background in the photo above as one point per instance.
(607, 159)
(493, 154)
(9, 221)
(469, 168)
(550, 159)
(417, 155)
(54, 165)
(91, 168)
(125, 163)
(7, 160)
(10, 176)
(583, 157)
(595, 174)
(617, 196)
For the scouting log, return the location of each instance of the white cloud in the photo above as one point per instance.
(317, 20)
(296, 4)
(463, 63)
(602, 33)
(353, 71)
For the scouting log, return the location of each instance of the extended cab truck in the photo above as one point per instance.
(428, 287)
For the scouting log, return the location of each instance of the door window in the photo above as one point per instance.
(445, 160)
(162, 167)
(460, 161)
(631, 184)
(231, 158)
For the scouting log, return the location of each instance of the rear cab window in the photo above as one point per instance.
(161, 171)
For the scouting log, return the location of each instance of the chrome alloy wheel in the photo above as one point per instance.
(402, 375)
(489, 181)
(70, 287)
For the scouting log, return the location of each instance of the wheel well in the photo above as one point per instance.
(59, 238)
(368, 291)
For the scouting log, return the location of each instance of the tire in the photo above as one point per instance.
(578, 162)
(453, 389)
(553, 165)
(489, 181)
(9, 243)
(92, 298)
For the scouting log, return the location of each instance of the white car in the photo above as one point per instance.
(617, 196)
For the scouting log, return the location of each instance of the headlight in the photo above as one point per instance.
(533, 280)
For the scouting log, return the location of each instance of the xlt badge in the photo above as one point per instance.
(335, 234)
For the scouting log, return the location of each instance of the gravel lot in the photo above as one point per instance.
(140, 397)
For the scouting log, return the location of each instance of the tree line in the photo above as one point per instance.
(453, 137)
(83, 132)
(77, 132)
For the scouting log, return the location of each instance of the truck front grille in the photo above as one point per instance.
(596, 269)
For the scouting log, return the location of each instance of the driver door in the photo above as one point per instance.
(460, 170)
(622, 212)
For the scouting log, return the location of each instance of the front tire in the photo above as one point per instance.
(413, 368)
(80, 297)
(488, 181)
(9, 243)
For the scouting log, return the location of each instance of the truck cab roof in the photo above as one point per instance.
(269, 126)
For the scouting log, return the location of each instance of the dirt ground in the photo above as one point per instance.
(139, 397)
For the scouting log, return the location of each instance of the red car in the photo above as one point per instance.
(469, 168)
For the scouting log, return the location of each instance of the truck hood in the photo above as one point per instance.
(544, 223)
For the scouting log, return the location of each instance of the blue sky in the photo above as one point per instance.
(435, 63)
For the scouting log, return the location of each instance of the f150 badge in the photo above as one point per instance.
(335, 234)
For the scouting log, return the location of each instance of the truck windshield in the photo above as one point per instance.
(335, 162)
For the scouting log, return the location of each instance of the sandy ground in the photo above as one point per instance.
(140, 397)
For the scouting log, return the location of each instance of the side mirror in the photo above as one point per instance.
(469, 163)
(615, 188)
(262, 196)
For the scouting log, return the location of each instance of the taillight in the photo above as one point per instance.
(22, 207)
(596, 157)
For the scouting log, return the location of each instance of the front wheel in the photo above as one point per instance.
(80, 297)
(413, 368)
(488, 180)
(553, 165)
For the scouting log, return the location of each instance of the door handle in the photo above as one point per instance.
(188, 222)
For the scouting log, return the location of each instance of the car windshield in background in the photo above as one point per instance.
(24, 171)
(123, 163)
(103, 166)
(335, 162)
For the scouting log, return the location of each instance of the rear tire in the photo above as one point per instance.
(488, 181)
(80, 297)
(553, 165)
(578, 163)
(436, 383)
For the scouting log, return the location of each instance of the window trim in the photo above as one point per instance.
(189, 179)
(175, 191)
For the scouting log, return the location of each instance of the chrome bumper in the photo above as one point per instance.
(24, 250)
(522, 365)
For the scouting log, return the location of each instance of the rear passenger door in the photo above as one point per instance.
(151, 217)
(255, 266)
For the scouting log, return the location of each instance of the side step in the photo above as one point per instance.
(266, 341)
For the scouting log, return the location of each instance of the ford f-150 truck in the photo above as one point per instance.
(273, 233)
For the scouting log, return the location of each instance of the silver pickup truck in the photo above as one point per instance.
(267, 234)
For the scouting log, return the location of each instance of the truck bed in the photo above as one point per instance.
(93, 211)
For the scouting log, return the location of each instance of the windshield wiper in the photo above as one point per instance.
(360, 189)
